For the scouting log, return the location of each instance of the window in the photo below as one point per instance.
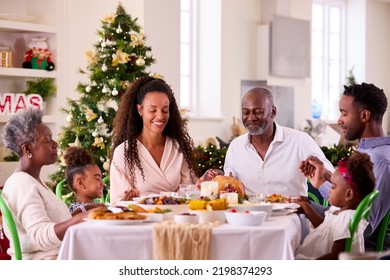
(328, 57)
(187, 52)
(200, 57)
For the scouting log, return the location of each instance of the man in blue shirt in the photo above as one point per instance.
(361, 112)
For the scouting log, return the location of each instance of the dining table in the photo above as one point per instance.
(276, 239)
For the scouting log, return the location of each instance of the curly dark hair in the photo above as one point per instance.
(21, 129)
(368, 97)
(77, 159)
(128, 124)
(360, 168)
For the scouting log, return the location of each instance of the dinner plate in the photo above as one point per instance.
(16, 17)
(115, 222)
(279, 206)
(159, 217)
(282, 212)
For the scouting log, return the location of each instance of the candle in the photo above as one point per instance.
(209, 189)
(232, 197)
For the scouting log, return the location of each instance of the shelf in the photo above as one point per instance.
(47, 119)
(16, 26)
(24, 72)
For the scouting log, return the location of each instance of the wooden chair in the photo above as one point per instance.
(9, 220)
(362, 211)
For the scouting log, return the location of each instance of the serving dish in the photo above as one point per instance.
(206, 216)
(266, 207)
(115, 222)
(250, 218)
(159, 217)
(176, 208)
(186, 218)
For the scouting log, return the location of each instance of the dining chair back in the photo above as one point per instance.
(383, 227)
(362, 211)
(106, 181)
(70, 197)
(9, 220)
(313, 197)
(59, 188)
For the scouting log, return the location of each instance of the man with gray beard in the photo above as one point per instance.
(266, 158)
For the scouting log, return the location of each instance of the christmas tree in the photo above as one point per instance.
(120, 57)
(209, 157)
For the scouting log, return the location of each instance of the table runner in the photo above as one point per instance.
(181, 241)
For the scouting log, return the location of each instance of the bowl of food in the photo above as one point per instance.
(175, 208)
(246, 218)
(186, 218)
(210, 216)
(266, 207)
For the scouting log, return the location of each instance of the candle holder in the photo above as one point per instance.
(231, 197)
(209, 189)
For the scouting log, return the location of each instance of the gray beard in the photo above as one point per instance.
(259, 131)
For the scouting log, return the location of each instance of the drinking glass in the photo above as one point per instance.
(256, 198)
(184, 188)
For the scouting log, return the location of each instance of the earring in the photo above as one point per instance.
(29, 155)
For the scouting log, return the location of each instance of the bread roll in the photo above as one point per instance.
(230, 184)
(105, 214)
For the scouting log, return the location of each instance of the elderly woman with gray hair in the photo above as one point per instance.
(40, 217)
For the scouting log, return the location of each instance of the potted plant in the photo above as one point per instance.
(45, 87)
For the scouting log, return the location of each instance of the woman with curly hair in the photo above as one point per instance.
(84, 178)
(152, 150)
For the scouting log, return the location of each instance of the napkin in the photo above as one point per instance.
(181, 241)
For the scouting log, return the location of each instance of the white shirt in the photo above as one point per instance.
(278, 172)
(335, 227)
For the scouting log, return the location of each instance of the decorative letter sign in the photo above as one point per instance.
(11, 103)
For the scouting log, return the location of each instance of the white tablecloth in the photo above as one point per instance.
(276, 239)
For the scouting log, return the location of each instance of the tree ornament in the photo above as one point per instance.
(69, 117)
(140, 62)
(114, 92)
(88, 89)
(104, 67)
(95, 134)
(119, 29)
(100, 120)
(105, 89)
(89, 115)
(120, 57)
(106, 165)
(103, 44)
(76, 143)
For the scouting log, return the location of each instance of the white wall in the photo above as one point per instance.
(377, 49)
(239, 20)
(162, 28)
